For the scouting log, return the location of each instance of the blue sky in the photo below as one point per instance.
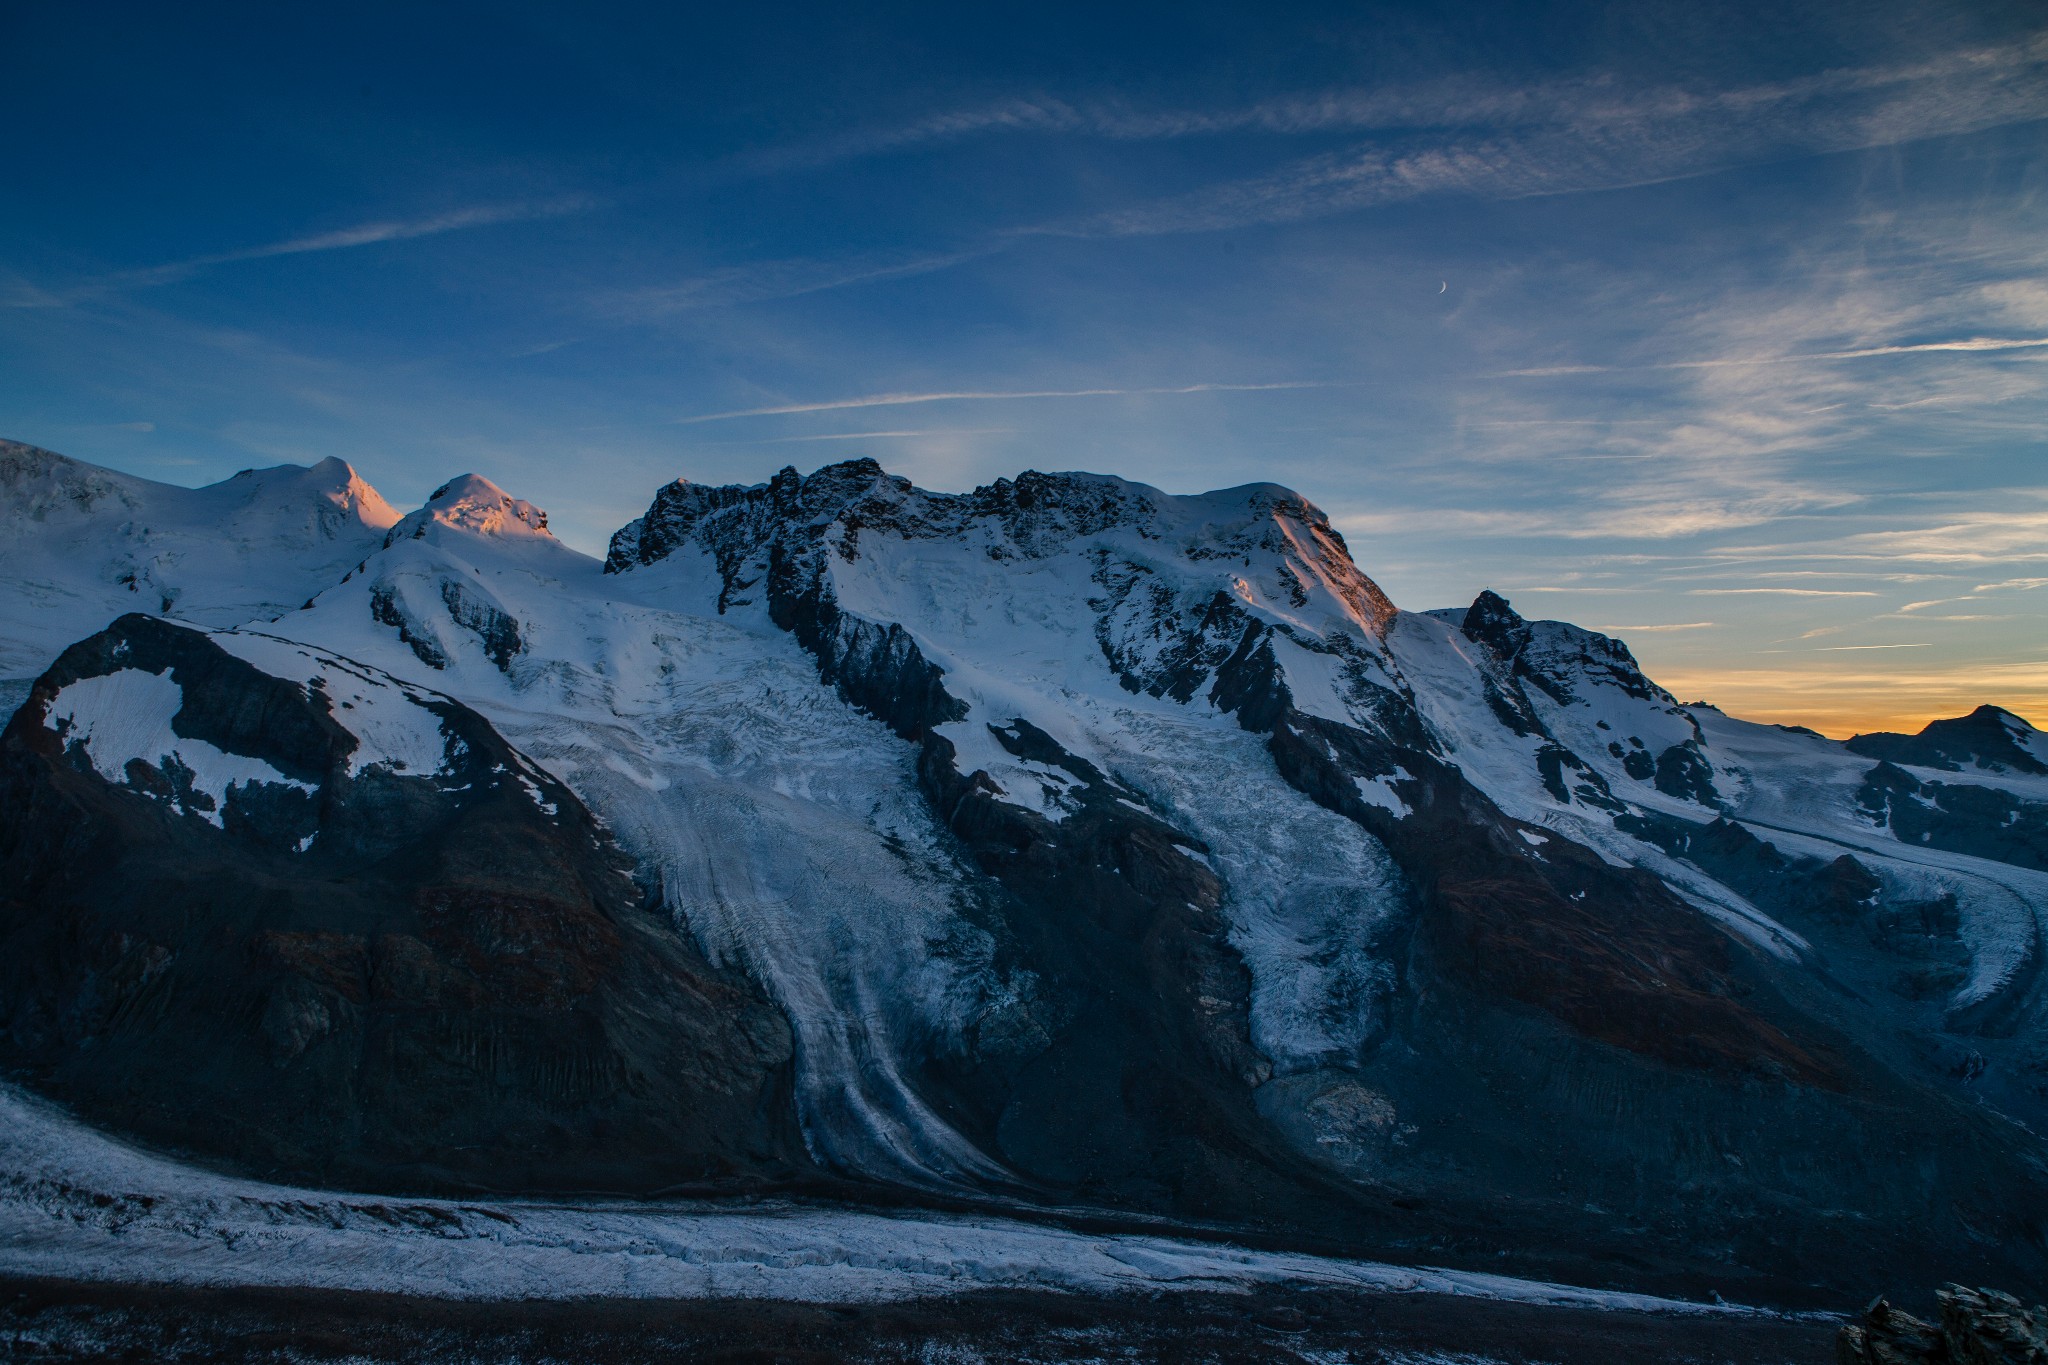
(1721, 326)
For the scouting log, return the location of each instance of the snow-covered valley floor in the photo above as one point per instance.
(78, 1205)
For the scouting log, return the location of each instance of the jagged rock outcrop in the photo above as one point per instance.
(1987, 822)
(1977, 1327)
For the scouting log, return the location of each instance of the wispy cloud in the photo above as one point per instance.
(1976, 536)
(1974, 76)
(895, 400)
(1585, 136)
(1466, 135)
(886, 435)
(1848, 649)
(1863, 575)
(765, 281)
(1966, 346)
(338, 239)
(1656, 630)
(1779, 592)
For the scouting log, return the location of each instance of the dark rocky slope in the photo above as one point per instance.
(454, 984)
(1988, 737)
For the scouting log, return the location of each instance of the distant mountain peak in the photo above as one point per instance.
(86, 544)
(472, 503)
(1062, 839)
(1490, 621)
(332, 482)
(1990, 737)
(40, 482)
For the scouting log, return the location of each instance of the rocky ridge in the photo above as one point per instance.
(1976, 1327)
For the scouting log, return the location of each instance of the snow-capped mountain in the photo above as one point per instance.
(1083, 845)
(85, 544)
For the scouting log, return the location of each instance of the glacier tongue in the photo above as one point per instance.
(787, 835)
(1308, 893)
(81, 1205)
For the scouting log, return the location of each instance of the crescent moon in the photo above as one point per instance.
(1444, 287)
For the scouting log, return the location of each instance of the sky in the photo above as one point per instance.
(1720, 327)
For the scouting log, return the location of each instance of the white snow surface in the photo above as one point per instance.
(1798, 790)
(2026, 736)
(1306, 891)
(126, 715)
(391, 721)
(471, 502)
(78, 1204)
(1792, 788)
(1021, 628)
(80, 545)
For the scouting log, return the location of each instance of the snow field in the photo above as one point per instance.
(78, 1204)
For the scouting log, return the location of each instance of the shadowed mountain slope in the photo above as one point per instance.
(272, 906)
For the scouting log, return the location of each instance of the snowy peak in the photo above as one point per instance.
(1490, 621)
(1289, 562)
(37, 483)
(84, 545)
(1989, 737)
(472, 503)
(1547, 716)
(331, 491)
(327, 500)
(1556, 656)
(1082, 582)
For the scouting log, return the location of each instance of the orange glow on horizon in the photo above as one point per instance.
(1843, 703)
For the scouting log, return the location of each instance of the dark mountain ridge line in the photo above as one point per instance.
(1986, 738)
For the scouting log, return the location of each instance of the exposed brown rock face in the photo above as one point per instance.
(453, 984)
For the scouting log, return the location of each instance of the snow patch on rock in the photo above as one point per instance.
(392, 723)
(126, 717)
